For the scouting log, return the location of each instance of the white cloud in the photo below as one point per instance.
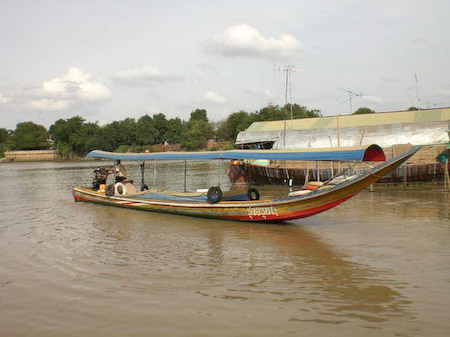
(4, 99)
(143, 76)
(212, 97)
(245, 40)
(76, 85)
(46, 104)
(61, 93)
(93, 91)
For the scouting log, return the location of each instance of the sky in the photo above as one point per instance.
(110, 60)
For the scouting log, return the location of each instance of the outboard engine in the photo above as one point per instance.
(99, 178)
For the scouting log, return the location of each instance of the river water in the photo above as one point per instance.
(378, 265)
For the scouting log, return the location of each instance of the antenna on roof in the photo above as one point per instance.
(288, 69)
(351, 96)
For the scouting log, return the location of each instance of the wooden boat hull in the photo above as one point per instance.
(273, 210)
(274, 175)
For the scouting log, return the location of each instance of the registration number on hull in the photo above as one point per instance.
(261, 211)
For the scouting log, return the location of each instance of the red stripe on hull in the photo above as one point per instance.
(292, 215)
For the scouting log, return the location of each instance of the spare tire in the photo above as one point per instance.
(109, 190)
(214, 194)
(253, 194)
(120, 189)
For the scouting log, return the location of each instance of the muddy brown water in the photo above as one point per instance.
(378, 265)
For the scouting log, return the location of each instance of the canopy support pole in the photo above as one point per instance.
(317, 170)
(154, 174)
(249, 175)
(185, 174)
(307, 173)
(142, 175)
(218, 172)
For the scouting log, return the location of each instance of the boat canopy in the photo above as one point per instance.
(359, 153)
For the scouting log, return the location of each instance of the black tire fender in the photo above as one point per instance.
(253, 194)
(109, 190)
(214, 194)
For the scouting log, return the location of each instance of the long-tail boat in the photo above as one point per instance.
(213, 203)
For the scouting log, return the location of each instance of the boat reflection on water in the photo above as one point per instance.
(252, 264)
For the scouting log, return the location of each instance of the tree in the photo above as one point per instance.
(363, 111)
(145, 130)
(413, 108)
(300, 111)
(222, 130)
(195, 135)
(197, 131)
(4, 136)
(270, 113)
(174, 130)
(127, 133)
(109, 137)
(237, 121)
(160, 123)
(199, 114)
(30, 136)
(74, 136)
(276, 112)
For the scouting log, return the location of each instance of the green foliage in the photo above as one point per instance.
(363, 111)
(197, 131)
(30, 136)
(413, 108)
(239, 121)
(74, 136)
(199, 114)
(160, 123)
(4, 136)
(145, 130)
(195, 135)
(126, 131)
(276, 112)
(174, 131)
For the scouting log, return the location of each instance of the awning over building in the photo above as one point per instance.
(385, 129)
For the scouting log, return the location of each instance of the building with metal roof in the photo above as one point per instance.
(420, 127)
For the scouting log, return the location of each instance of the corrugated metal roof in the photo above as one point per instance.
(385, 129)
(380, 118)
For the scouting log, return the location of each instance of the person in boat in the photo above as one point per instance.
(120, 171)
(100, 177)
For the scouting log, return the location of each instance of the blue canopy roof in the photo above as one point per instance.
(364, 153)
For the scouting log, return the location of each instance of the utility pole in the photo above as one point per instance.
(288, 69)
